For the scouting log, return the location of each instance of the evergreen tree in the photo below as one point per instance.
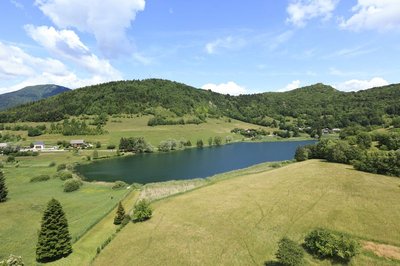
(3, 188)
(54, 241)
(119, 217)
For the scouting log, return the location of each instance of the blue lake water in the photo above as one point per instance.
(190, 163)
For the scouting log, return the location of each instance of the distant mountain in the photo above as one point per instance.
(318, 105)
(29, 94)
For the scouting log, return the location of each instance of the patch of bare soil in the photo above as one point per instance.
(383, 250)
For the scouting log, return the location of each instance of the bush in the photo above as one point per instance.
(142, 211)
(63, 175)
(40, 178)
(98, 145)
(72, 185)
(218, 140)
(199, 143)
(61, 166)
(10, 159)
(326, 244)
(301, 154)
(289, 252)
(111, 147)
(12, 261)
(119, 185)
(52, 164)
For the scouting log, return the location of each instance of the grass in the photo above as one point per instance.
(137, 127)
(22, 213)
(240, 219)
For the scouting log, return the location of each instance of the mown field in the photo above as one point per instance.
(21, 214)
(239, 220)
(137, 127)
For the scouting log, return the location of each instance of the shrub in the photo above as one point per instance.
(10, 159)
(63, 175)
(218, 140)
(301, 154)
(72, 185)
(289, 252)
(119, 185)
(98, 145)
(52, 164)
(142, 211)
(40, 178)
(326, 244)
(61, 166)
(12, 261)
(111, 147)
(199, 143)
(3, 188)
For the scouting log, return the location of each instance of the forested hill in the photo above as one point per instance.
(29, 94)
(316, 104)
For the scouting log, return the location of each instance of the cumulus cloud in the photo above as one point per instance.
(300, 11)
(67, 45)
(356, 85)
(382, 15)
(225, 88)
(295, 84)
(107, 20)
(23, 69)
(228, 43)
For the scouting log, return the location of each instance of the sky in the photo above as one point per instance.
(229, 46)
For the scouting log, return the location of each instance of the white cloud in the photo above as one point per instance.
(225, 88)
(107, 20)
(382, 15)
(23, 69)
(228, 43)
(295, 84)
(17, 4)
(302, 10)
(356, 85)
(67, 45)
(281, 39)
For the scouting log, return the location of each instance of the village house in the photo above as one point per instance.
(78, 143)
(38, 146)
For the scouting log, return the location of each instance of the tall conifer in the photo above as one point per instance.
(54, 241)
(119, 217)
(3, 188)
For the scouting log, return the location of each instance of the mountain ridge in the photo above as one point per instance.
(29, 94)
(318, 103)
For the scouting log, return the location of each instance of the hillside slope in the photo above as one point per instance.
(29, 94)
(239, 221)
(318, 104)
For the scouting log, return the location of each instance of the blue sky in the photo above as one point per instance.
(228, 46)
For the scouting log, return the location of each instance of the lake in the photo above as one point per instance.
(189, 163)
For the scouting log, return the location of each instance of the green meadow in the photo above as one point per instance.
(240, 219)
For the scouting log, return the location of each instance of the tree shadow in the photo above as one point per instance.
(272, 263)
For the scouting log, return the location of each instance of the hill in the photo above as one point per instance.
(239, 221)
(29, 94)
(318, 105)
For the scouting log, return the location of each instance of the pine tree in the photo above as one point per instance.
(119, 217)
(3, 188)
(54, 241)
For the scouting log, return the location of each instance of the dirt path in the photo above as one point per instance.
(383, 250)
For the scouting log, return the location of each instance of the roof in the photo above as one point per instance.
(39, 143)
(77, 141)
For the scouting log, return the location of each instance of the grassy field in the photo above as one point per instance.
(137, 127)
(239, 220)
(22, 213)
